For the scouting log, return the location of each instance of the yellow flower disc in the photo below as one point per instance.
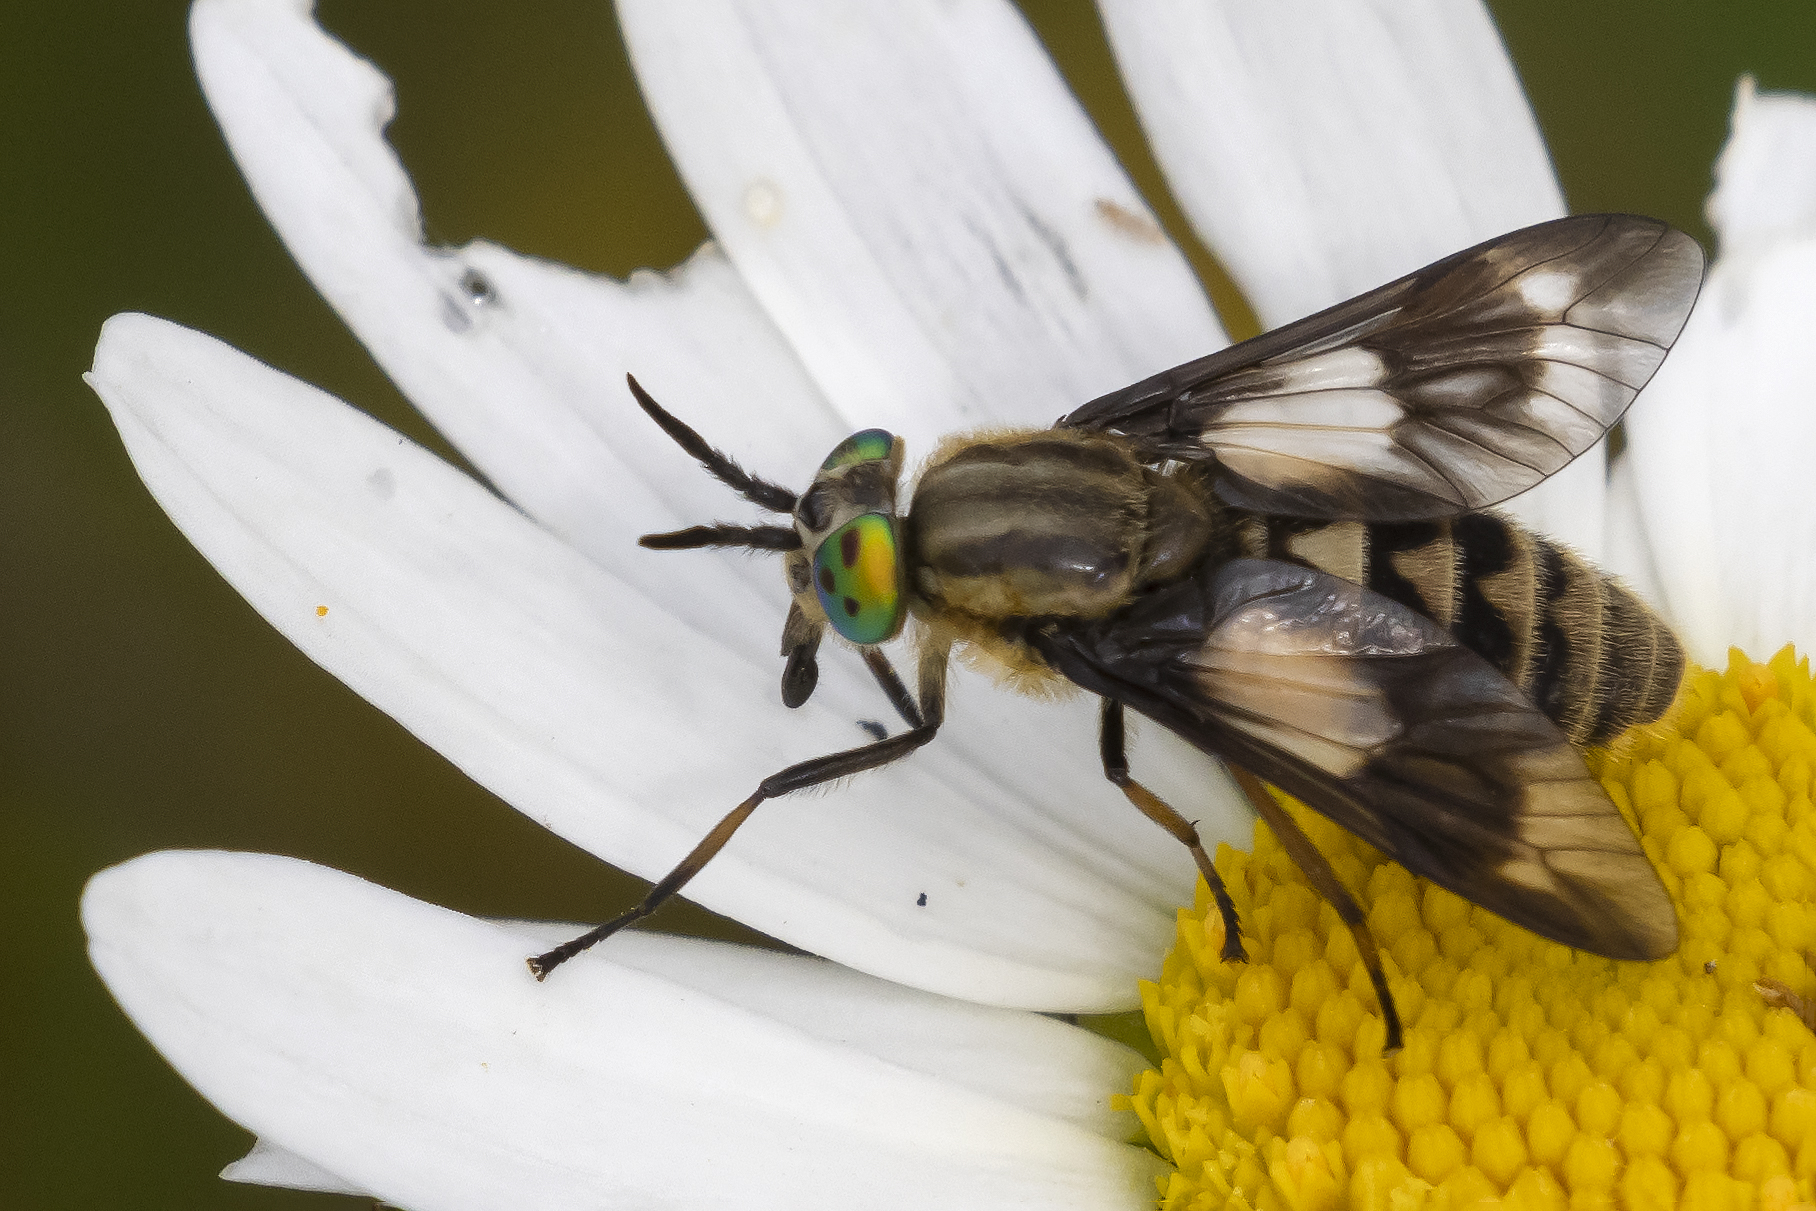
(1533, 1076)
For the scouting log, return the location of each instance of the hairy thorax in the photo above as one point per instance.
(1045, 524)
(1049, 523)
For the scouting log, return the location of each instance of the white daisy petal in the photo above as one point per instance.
(596, 712)
(1625, 551)
(1765, 178)
(1026, 1060)
(920, 204)
(526, 381)
(1722, 440)
(520, 363)
(1572, 505)
(274, 1165)
(1668, 436)
(1323, 147)
(405, 1049)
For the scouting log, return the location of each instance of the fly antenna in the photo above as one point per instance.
(755, 489)
(757, 538)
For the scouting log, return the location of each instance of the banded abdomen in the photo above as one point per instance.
(1589, 652)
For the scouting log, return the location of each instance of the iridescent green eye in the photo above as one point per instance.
(867, 447)
(857, 574)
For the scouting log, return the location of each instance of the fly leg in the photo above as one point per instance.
(1324, 881)
(928, 715)
(897, 693)
(1110, 742)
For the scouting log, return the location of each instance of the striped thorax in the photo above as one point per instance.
(1049, 523)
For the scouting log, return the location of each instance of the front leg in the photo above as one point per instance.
(1111, 744)
(892, 687)
(931, 711)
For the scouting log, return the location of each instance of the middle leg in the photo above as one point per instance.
(1111, 743)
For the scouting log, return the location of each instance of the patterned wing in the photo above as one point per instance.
(1451, 389)
(1375, 717)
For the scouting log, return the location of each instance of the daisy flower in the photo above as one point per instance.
(1534, 1076)
(917, 228)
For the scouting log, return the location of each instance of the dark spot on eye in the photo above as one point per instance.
(826, 579)
(848, 547)
(852, 607)
(922, 902)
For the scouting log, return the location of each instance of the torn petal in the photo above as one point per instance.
(519, 362)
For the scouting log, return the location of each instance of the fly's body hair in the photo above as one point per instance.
(1593, 657)
(1050, 523)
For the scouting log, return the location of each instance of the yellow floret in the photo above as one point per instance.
(1591, 1164)
(1499, 1151)
(1466, 1188)
(1549, 1132)
(1473, 1102)
(1645, 1130)
(1418, 1101)
(1321, 1069)
(1434, 1152)
(1648, 1185)
(1536, 1190)
(1533, 1077)
(1308, 1174)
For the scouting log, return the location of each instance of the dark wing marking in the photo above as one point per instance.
(1451, 389)
(1375, 717)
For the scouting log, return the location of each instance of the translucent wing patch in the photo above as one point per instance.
(1375, 717)
(1452, 389)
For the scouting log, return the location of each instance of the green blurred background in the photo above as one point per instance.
(143, 705)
